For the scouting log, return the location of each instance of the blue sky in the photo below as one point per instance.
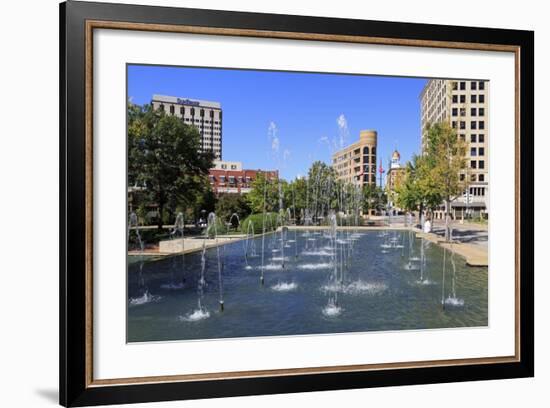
(286, 120)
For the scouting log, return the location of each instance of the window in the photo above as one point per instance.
(473, 125)
(373, 151)
(481, 164)
(473, 177)
(481, 138)
(455, 112)
(462, 124)
(453, 124)
(455, 98)
(366, 150)
(454, 86)
(481, 177)
(473, 138)
(172, 109)
(481, 85)
(233, 167)
(224, 166)
(473, 112)
(481, 111)
(161, 107)
(473, 164)
(211, 113)
(481, 151)
(462, 177)
(462, 137)
(462, 86)
(202, 112)
(473, 98)
(182, 111)
(481, 98)
(462, 98)
(462, 111)
(473, 151)
(481, 124)
(473, 86)
(192, 111)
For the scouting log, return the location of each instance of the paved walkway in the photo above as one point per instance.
(468, 240)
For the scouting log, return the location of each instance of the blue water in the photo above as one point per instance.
(380, 291)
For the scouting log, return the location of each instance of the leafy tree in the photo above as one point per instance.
(297, 192)
(264, 190)
(163, 156)
(445, 155)
(203, 202)
(229, 204)
(369, 198)
(322, 192)
(412, 194)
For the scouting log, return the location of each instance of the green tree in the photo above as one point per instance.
(323, 192)
(445, 155)
(369, 198)
(412, 194)
(163, 156)
(229, 204)
(264, 194)
(203, 202)
(297, 191)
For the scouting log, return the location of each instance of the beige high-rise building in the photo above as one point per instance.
(356, 163)
(206, 116)
(464, 104)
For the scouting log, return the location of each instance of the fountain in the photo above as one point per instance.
(332, 308)
(177, 233)
(146, 296)
(213, 225)
(230, 222)
(249, 244)
(263, 233)
(452, 299)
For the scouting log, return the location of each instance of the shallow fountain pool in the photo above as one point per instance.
(378, 283)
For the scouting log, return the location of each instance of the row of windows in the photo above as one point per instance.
(473, 124)
(474, 85)
(473, 112)
(372, 178)
(233, 166)
(474, 177)
(192, 110)
(477, 151)
(473, 98)
(477, 164)
(474, 138)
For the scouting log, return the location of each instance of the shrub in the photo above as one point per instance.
(218, 228)
(257, 221)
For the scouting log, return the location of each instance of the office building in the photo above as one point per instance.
(206, 116)
(464, 104)
(356, 163)
(229, 177)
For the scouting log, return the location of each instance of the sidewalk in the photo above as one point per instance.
(469, 240)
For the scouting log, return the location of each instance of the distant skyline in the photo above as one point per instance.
(287, 120)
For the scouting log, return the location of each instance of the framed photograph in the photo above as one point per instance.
(256, 203)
